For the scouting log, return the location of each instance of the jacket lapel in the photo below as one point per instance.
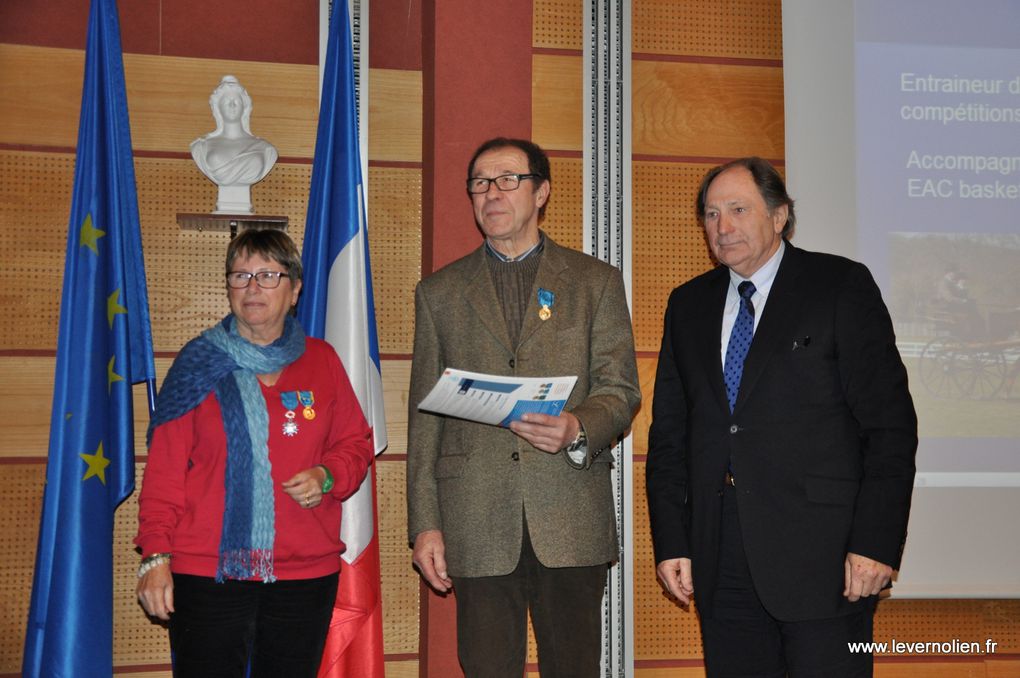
(709, 335)
(480, 294)
(776, 321)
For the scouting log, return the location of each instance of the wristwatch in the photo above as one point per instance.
(581, 440)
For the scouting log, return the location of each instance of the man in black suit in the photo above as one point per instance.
(781, 451)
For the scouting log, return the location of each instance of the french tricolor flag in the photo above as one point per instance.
(336, 304)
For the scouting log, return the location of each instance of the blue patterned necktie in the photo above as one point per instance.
(740, 342)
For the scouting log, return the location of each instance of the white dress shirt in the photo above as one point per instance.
(762, 279)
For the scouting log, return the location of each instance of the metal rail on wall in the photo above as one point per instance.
(607, 236)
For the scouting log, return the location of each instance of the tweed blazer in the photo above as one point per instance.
(474, 482)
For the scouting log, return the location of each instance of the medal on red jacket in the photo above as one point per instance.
(307, 399)
(290, 403)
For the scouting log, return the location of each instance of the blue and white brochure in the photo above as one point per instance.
(491, 399)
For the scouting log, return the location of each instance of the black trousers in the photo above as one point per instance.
(280, 628)
(566, 613)
(742, 639)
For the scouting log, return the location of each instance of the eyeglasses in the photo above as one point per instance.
(265, 279)
(505, 182)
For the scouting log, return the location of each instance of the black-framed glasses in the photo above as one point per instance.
(265, 279)
(504, 182)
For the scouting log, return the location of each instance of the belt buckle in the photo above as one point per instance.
(729, 480)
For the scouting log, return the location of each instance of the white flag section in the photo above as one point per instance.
(337, 305)
(346, 322)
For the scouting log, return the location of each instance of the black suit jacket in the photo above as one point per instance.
(821, 440)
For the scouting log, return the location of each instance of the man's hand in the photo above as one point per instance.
(547, 433)
(429, 556)
(863, 577)
(156, 591)
(675, 575)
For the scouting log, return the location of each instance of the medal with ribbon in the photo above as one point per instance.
(545, 299)
(307, 399)
(290, 403)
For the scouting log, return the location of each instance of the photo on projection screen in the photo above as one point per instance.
(938, 213)
(903, 152)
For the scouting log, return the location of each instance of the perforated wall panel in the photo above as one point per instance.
(557, 24)
(745, 29)
(669, 245)
(394, 227)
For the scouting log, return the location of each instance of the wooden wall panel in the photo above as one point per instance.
(1009, 668)
(402, 668)
(35, 199)
(396, 378)
(670, 672)
(26, 396)
(565, 214)
(932, 668)
(669, 245)
(643, 418)
(558, 24)
(394, 227)
(707, 110)
(557, 117)
(168, 99)
(184, 267)
(20, 496)
(394, 110)
(739, 29)
(40, 95)
(944, 620)
(662, 630)
(136, 640)
(400, 581)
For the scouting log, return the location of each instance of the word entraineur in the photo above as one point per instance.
(911, 82)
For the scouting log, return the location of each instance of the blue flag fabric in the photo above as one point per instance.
(336, 298)
(337, 305)
(104, 345)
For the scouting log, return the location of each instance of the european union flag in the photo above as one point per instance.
(103, 346)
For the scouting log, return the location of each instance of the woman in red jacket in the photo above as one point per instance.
(256, 439)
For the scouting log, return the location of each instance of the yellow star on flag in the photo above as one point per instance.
(90, 234)
(111, 376)
(97, 465)
(113, 307)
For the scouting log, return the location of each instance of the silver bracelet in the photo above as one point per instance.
(155, 560)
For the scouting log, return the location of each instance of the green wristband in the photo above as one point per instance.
(327, 484)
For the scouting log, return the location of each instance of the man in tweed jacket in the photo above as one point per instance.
(520, 519)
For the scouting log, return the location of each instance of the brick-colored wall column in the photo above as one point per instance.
(476, 73)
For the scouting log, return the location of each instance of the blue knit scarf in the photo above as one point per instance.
(222, 361)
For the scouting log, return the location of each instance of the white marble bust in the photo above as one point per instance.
(231, 156)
